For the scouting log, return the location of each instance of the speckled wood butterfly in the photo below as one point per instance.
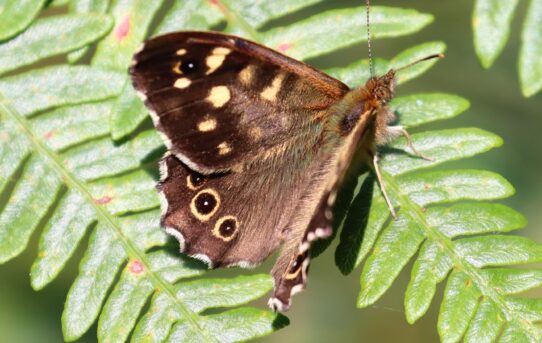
(258, 145)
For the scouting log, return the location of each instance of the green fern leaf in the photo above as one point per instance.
(81, 160)
(530, 64)
(16, 16)
(461, 238)
(52, 36)
(491, 24)
(82, 7)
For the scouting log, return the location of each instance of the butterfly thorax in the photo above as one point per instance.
(367, 106)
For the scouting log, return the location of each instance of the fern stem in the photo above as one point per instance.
(55, 162)
(416, 214)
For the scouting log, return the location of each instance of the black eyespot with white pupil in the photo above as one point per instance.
(197, 180)
(227, 228)
(205, 203)
(296, 264)
(189, 66)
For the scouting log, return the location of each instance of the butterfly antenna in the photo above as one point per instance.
(371, 65)
(430, 57)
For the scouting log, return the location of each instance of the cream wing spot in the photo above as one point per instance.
(215, 60)
(177, 68)
(180, 52)
(218, 96)
(182, 83)
(224, 148)
(221, 51)
(271, 91)
(255, 133)
(247, 74)
(206, 125)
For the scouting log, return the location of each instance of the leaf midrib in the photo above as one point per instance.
(68, 178)
(480, 281)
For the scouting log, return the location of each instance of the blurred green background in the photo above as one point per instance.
(326, 311)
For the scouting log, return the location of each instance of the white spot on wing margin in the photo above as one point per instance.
(187, 161)
(141, 95)
(204, 258)
(276, 304)
(163, 203)
(243, 264)
(163, 168)
(179, 236)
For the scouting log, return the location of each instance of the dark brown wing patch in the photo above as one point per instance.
(228, 219)
(222, 102)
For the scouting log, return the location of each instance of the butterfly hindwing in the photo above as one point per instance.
(229, 219)
(222, 102)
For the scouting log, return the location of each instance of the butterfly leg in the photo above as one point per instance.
(398, 131)
(382, 186)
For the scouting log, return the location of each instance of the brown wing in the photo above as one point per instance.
(239, 219)
(257, 156)
(231, 218)
(315, 222)
(223, 102)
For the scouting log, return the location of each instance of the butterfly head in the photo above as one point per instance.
(385, 87)
(380, 90)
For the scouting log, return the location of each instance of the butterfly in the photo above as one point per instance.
(258, 146)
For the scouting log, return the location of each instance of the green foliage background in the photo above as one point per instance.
(326, 311)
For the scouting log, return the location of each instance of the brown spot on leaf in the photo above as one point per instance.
(122, 30)
(103, 200)
(136, 267)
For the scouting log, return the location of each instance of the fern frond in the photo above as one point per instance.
(461, 242)
(78, 157)
(492, 23)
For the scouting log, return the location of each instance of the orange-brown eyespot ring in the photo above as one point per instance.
(205, 204)
(195, 181)
(295, 266)
(226, 228)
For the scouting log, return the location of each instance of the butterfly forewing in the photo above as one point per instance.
(223, 102)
